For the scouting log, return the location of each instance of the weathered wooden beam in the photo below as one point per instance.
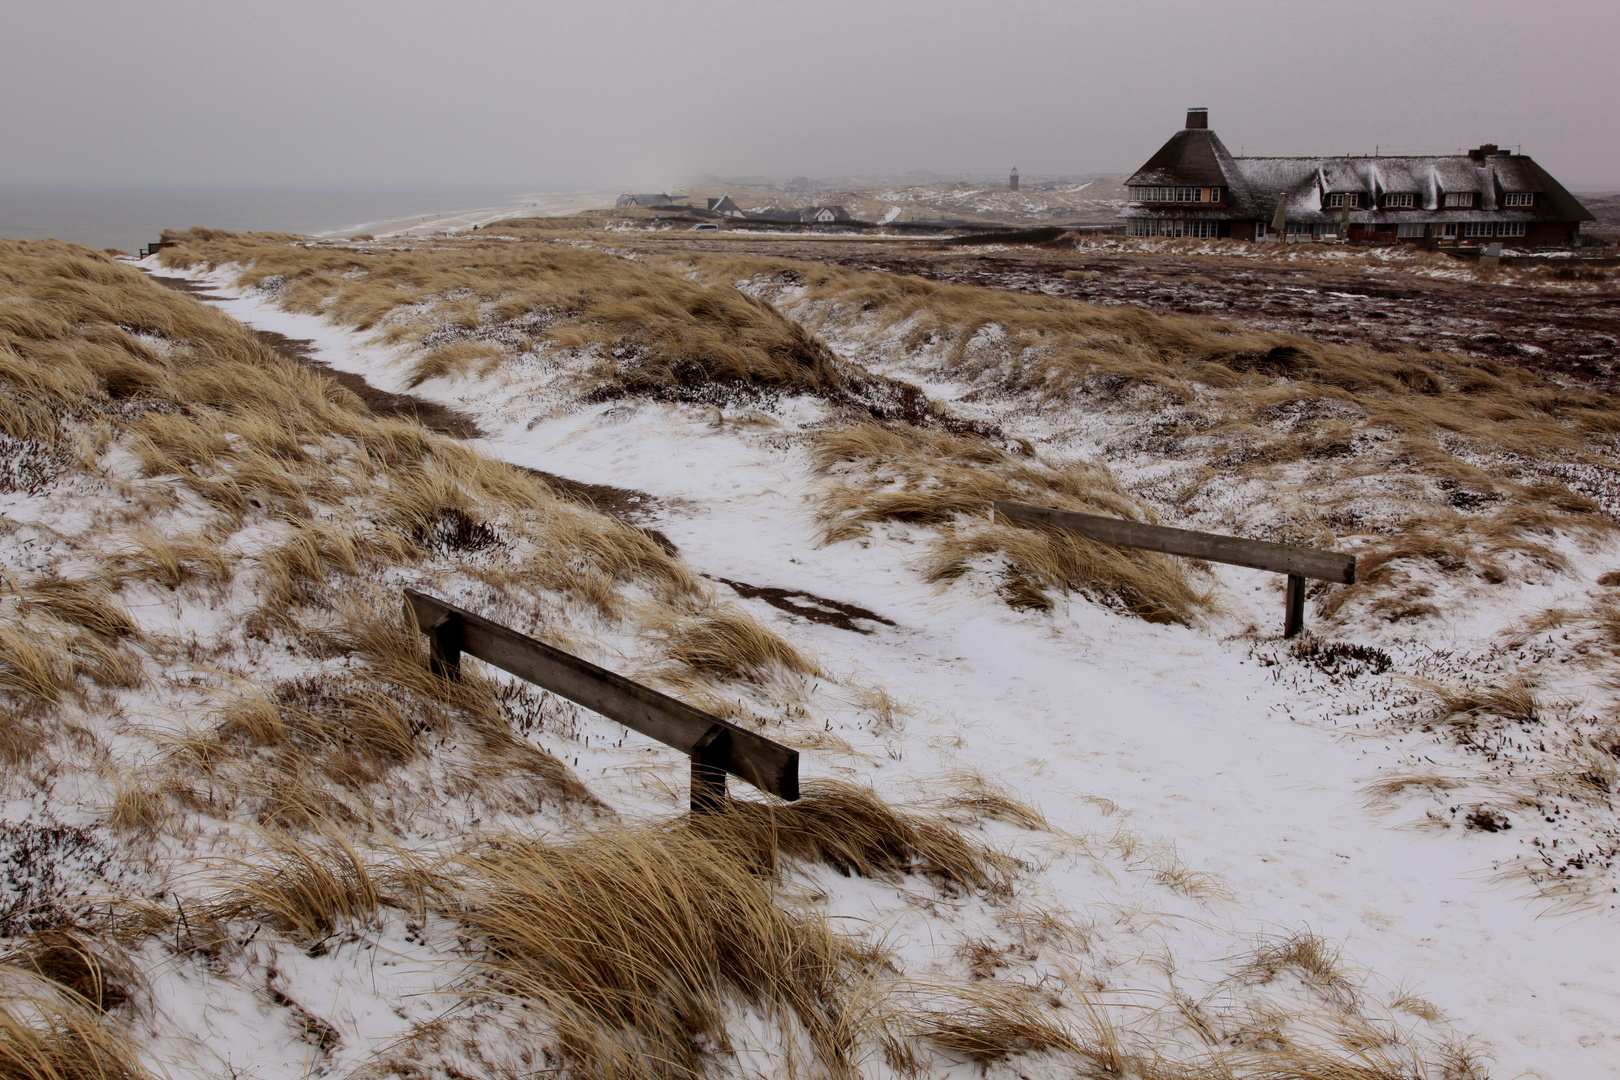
(1259, 554)
(714, 745)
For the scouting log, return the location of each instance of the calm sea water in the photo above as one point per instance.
(129, 217)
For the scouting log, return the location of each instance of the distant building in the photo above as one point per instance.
(810, 215)
(1194, 187)
(656, 202)
(726, 208)
(1012, 181)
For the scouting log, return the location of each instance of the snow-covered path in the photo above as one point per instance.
(1185, 732)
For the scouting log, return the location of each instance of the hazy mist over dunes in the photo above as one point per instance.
(630, 92)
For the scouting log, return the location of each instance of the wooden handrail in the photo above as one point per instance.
(1298, 563)
(715, 746)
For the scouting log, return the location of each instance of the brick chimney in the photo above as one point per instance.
(1197, 118)
(1486, 150)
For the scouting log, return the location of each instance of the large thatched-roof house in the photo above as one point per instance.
(1194, 186)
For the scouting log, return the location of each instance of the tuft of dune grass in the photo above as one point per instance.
(948, 481)
(724, 641)
(50, 1032)
(636, 947)
(303, 885)
(852, 830)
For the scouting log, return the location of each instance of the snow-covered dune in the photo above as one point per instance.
(1209, 792)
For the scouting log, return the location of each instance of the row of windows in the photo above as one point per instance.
(1450, 230)
(1166, 227)
(1176, 194)
(1322, 230)
(1395, 200)
(1406, 200)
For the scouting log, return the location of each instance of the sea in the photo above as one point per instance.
(128, 218)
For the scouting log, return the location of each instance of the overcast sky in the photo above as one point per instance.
(643, 94)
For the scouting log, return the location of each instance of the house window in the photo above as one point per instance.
(1344, 198)
(1409, 230)
(1477, 228)
(1448, 230)
(1510, 228)
(1152, 194)
(1166, 227)
(1403, 200)
(1459, 198)
(1214, 194)
(1519, 198)
(1184, 194)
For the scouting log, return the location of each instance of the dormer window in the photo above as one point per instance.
(1340, 199)
(1459, 200)
(1519, 198)
(1400, 200)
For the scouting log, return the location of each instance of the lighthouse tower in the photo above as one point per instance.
(1012, 181)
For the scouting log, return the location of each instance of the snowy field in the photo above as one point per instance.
(1203, 789)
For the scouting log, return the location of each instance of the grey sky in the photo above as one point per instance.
(638, 93)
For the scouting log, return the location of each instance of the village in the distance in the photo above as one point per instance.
(1489, 200)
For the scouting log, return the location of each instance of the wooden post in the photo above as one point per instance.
(1294, 616)
(708, 770)
(444, 649)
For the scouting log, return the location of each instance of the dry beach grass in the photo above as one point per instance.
(298, 750)
(1454, 479)
(1428, 465)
